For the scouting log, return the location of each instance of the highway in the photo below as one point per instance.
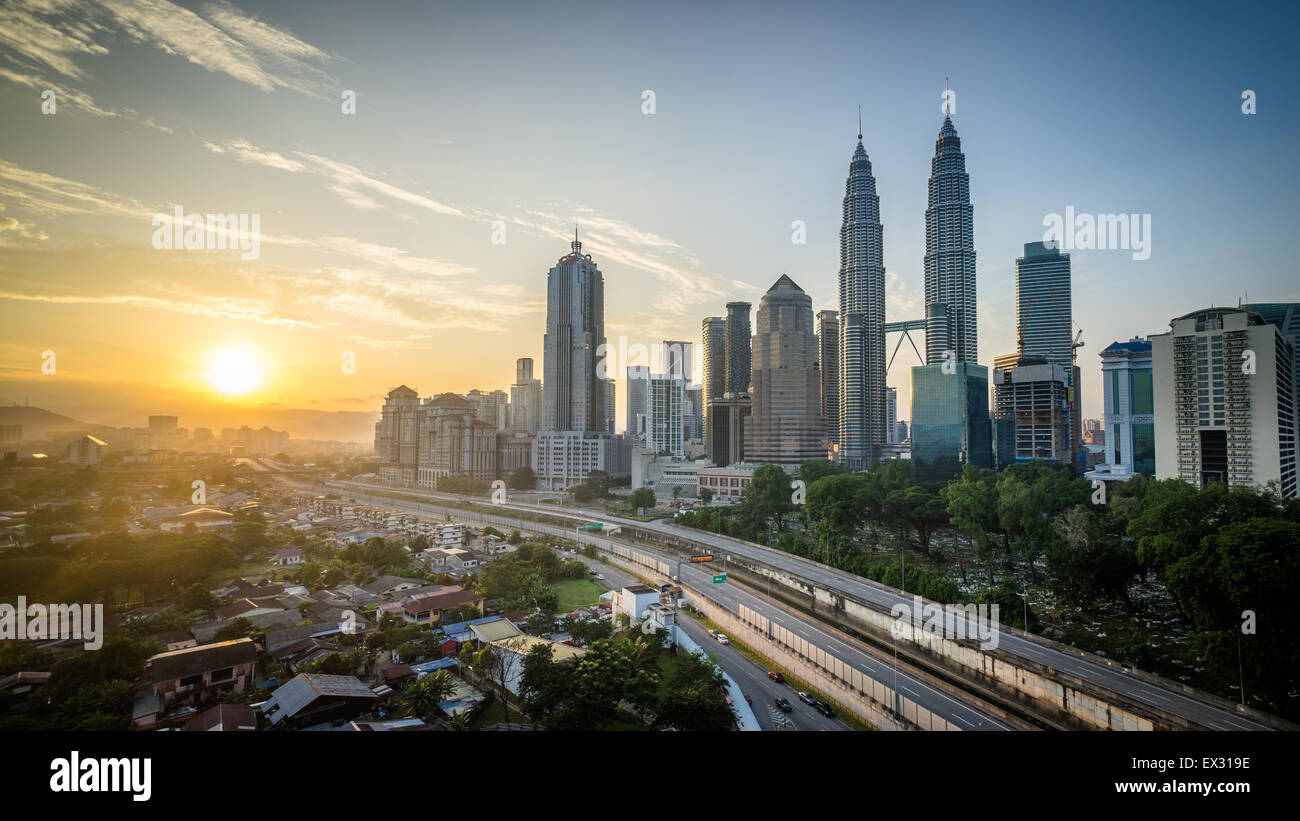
(731, 597)
(753, 680)
(1110, 678)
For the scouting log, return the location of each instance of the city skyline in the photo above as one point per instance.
(377, 233)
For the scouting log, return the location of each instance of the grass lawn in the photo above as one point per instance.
(575, 593)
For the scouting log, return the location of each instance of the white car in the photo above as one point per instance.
(600, 576)
(722, 639)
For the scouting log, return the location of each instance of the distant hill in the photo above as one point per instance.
(329, 426)
(37, 422)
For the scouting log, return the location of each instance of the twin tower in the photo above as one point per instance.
(950, 312)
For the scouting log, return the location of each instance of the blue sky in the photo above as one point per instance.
(532, 113)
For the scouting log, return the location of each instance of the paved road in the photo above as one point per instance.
(731, 597)
(1110, 678)
(753, 680)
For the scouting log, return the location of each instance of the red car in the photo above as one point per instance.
(777, 677)
(749, 700)
(569, 642)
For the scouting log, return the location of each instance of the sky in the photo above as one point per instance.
(416, 233)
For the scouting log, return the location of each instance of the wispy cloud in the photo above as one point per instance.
(219, 38)
(63, 96)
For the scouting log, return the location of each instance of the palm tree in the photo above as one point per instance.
(423, 696)
(459, 722)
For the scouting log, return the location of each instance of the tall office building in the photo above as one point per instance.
(785, 426)
(1218, 418)
(738, 347)
(397, 437)
(861, 360)
(678, 360)
(665, 414)
(574, 396)
(526, 397)
(575, 438)
(828, 346)
(891, 415)
(693, 416)
(1044, 316)
(1286, 317)
(950, 420)
(1031, 393)
(728, 416)
(610, 404)
(1129, 411)
(454, 440)
(638, 386)
(713, 337)
(950, 254)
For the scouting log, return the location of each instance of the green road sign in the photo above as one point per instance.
(719, 578)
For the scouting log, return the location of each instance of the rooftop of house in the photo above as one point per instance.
(224, 717)
(192, 661)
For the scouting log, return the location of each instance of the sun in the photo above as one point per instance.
(234, 372)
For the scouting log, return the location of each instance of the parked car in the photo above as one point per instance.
(807, 699)
(600, 576)
(775, 676)
(570, 642)
(749, 700)
(784, 705)
(825, 709)
(722, 639)
(713, 634)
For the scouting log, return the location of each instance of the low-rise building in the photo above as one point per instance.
(209, 671)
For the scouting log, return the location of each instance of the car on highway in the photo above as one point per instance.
(783, 704)
(775, 676)
(825, 709)
(807, 699)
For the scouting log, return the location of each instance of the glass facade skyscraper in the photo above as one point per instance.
(574, 394)
(950, 254)
(862, 317)
(950, 420)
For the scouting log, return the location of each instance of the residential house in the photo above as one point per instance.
(314, 698)
(198, 673)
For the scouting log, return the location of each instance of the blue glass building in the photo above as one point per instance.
(950, 420)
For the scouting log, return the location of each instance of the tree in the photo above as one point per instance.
(642, 497)
(499, 663)
(972, 510)
(767, 498)
(523, 479)
(695, 698)
(920, 509)
(815, 469)
(197, 597)
(423, 696)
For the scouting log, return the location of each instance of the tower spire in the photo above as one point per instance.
(577, 246)
(859, 123)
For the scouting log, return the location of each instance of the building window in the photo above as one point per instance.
(1142, 393)
(1144, 449)
(1114, 391)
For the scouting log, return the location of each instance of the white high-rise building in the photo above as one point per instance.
(665, 412)
(1128, 419)
(1224, 400)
